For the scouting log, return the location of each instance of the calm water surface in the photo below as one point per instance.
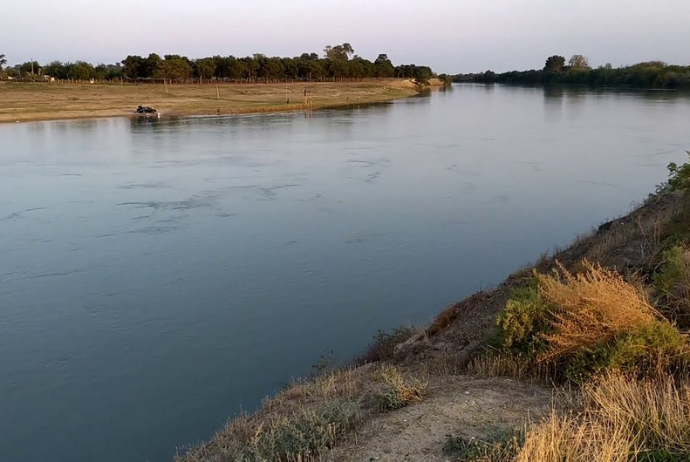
(156, 275)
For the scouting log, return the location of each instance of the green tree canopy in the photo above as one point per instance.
(30, 68)
(339, 52)
(554, 63)
(384, 66)
(80, 70)
(340, 63)
(174, 68)
(206, 68)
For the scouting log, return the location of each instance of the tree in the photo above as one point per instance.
(422, 74)
(384, 67)
(55, 69)
(80, 70)
(554, 64)
(3, 61)
(175, 68)
(339, 52)
(150, 65)
(133, 67)
(205, 68)
(31, 68)
(579, 62)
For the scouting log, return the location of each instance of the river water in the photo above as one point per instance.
(156, 275)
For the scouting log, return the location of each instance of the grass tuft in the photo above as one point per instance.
(623, 420)
(501, 448)
(398, 392)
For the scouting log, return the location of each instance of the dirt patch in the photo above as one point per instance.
(456, 406)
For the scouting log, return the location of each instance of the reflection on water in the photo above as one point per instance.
(157, 274)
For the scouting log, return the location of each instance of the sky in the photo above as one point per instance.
(451, 36)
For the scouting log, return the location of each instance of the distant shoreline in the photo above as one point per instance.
(35, 102)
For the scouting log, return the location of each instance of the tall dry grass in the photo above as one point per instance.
(623, 420)
(591, 308)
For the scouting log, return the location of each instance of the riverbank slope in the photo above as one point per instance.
(23, 102)
(442, 392)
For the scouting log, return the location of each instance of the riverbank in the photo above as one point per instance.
(24, 102)
(458, 390)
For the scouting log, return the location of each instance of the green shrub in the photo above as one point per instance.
(672, 284)
(305, 436)
(660, 456)
(522, 322)
(653, 348)
(674, 269)
(679, 176)
(501, 447)
(383, 346)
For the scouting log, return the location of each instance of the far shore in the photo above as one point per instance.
(30, 102)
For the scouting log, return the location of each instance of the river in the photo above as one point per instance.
(158, 275)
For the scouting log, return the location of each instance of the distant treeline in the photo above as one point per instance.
(576, 71)
(339, 63)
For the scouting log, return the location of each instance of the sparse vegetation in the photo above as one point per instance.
(503, 447)
(383, 346)
(301, 437)
(398, 392)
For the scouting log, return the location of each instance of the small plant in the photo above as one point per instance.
(324, 365)
(398, 392)
(501, 448)
(679, 176)
(383, 346)
(672, 283)
(523, 322)
(302, 437)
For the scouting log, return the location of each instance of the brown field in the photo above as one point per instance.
(20, 102)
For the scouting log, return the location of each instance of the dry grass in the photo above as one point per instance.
(42, 101)
(295, 426)
(507, 365)
(592, 308)
(398, 392)
(623, 419)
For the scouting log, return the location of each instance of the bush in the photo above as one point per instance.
(651, 350)
(679, 178)
(672, 283)
(579, 325)
(523, 322)
(398, 392)
(303, 437)
(383, 346)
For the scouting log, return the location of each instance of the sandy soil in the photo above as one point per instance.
(21, 102)
(463, 406)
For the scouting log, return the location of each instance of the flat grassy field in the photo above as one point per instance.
(20, 102)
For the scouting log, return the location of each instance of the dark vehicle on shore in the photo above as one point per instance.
(146, 110)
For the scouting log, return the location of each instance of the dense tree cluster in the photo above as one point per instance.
(652, 74)
(339, 63)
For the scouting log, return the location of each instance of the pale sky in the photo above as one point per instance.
(449, 35)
